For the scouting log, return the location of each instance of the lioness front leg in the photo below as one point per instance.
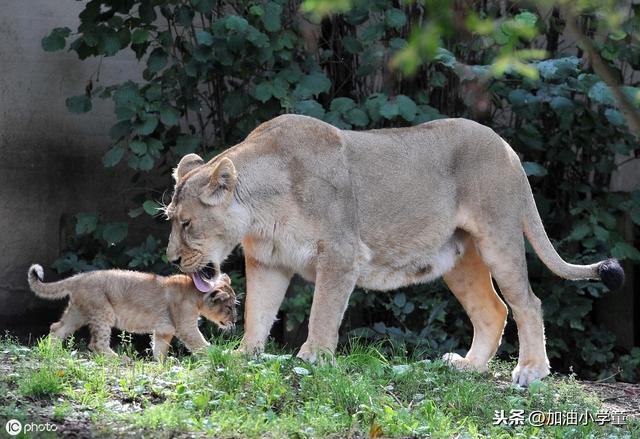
(330, 299)
(470, 282)
(266, 287)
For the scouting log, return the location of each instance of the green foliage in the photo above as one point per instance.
(219, 394)
(214, 71)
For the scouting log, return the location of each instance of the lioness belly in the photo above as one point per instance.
(419, 268)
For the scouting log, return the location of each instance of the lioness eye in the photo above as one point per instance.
(185, 223)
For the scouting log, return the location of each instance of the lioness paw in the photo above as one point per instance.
(462, 363)
(524, 375)
(315, 354)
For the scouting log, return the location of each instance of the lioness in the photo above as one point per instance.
(380, 209)
(138, 302)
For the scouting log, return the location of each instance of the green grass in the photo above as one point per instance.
(224, 395)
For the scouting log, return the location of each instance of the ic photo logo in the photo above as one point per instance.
(13, 427)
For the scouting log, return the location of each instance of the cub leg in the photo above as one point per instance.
(266, 287)
(506, 258)
(101, 337)
(190, 335)
(330, 299)
(100, 328)
(72, 320)
(470, 282)
(161, 344)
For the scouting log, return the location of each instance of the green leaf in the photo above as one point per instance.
(263, 91)
(205, 6)
(236, 23)
(169, 116)
(138, 147)
(372, 33)
(113, 156)
(147, 12)
(389, 110)
(187, 144)
(535, 169)
(342, 105)
(157, 60)
(271, 17)
(56, 40)
(309, 108)
(87, 223)
(395, 18)
(579, 232)
(352, 45)
(357, 117)
(315, 83)
(146, 125)
(614, 116)
(407, 107)
(256, 10)
(399, 300)
(561, 105)
(600, 93)
(139, 36)
(120, 130)
(623, 250)
(78, 104)
(151, 207)
(146, 163)
(204, 37)
(185, 16)
(114, 233)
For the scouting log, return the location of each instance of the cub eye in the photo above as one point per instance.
(185, 223)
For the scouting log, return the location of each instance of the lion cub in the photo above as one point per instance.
(137, 302)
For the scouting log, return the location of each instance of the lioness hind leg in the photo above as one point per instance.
(470, 282)
(506, 258)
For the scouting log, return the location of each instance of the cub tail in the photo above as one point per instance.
(52, 290)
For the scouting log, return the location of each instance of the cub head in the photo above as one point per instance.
(206, 218)
(219, 306)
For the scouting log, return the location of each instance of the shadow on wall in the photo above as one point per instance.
(50, 160)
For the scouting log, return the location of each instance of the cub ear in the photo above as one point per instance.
(224, 278)
(221, 296)
(187, 163)
(221, 184)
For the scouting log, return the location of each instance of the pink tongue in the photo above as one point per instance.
(201, 284)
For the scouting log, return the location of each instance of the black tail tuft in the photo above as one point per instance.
(611, 274)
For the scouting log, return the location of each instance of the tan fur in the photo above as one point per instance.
(380, 209)
(137, 302)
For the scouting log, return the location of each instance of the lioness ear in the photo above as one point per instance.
(221, 183)
(187, 163)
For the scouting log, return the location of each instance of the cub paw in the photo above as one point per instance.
(462, 363)
(524, 375)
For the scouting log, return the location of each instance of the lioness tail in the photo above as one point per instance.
(608, 271)
(52, 291)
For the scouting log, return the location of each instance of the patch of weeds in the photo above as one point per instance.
(40, 383)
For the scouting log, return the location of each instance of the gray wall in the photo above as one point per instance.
(50, 159)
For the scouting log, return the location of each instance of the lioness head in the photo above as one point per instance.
(206, 218)
(219, 306)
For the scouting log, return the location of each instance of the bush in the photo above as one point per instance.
(215, 70)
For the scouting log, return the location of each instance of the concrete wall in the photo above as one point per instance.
(50, 159)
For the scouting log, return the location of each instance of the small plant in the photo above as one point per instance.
(41, 383)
